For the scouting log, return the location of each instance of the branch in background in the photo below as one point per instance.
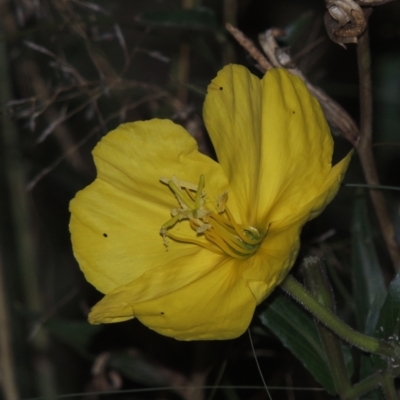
(364, 148)
(373, 2)
(248, 45)
(230, 11)
(277, 58)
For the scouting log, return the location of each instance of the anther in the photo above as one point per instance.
(214, 230)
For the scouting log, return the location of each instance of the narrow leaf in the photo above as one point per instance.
(368, 284)
(297, 331)
(388, 325)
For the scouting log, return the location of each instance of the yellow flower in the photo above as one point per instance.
(190, 246)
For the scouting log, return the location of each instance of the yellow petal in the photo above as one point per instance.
(232, 115)
(116, 220)
(278, 252)
(216, 305)
(273, 260)
(272, 140)
(323, 195)
(297, 147)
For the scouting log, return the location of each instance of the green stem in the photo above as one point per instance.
(372, 345)
(365, 386)
(388, 387)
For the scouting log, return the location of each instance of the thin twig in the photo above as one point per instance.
(364, 148)
(334, 112)
(247, 44)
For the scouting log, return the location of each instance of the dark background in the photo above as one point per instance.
(70, 72)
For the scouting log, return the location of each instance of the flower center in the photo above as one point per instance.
(224, 235)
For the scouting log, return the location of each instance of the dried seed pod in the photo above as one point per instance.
(344, 21)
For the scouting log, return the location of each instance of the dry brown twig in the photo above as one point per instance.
(364, 149)
(344, 21)
(40, 100)
(335, 114)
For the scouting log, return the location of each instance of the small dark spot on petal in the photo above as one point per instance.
(162, 313)
(294, 112)
(221, 88)
(105, 235)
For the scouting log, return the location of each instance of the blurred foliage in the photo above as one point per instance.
(73, 70)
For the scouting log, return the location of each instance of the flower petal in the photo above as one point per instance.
(270, 265)
(297, 150)
(278, 252)
(216, 305)
(116, 220)
(272, 140)
(232, 115)
(322, 197)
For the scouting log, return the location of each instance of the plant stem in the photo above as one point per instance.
(388, 387)
(372, 345)
(365, 386)
(364, 148)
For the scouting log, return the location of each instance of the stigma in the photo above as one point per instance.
(222, 234)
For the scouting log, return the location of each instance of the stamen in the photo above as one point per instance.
(223, 245)
(222, 202)
(224, 235)
(189, 193)
(196, 241)
(239, 250)
(179, 194)
(169, 224)
(199, 193)
(240, 230)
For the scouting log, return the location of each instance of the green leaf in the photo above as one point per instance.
(297, 331)
(76, 334)
(197, 19)
(368, 284)
(388, 325)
